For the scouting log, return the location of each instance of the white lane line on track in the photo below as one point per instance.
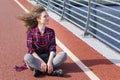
(21, 6)
(86, 70)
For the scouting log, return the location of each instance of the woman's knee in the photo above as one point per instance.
(28, 57)
(59, 59)
(63, 55)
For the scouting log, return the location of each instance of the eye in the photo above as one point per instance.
(46, 16)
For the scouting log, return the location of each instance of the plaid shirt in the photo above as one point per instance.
(41, 43)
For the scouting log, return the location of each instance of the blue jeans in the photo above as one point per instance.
(34, 63)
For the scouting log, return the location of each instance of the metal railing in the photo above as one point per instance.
(99, 18)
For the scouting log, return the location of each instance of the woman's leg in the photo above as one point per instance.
(59, 59)
(32, 62)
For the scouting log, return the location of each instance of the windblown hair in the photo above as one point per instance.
(30, 19)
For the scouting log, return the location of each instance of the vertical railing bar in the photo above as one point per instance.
(62, 16)
(88, 18)
(48, 5)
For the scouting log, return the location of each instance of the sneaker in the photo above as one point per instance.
(37, 73)
(58, 72)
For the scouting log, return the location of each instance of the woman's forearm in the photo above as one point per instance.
(52, 54)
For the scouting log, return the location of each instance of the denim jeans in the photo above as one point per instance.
(34, 63)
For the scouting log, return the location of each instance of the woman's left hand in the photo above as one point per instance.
(50, 67)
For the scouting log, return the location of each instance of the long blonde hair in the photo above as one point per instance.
(30, 19)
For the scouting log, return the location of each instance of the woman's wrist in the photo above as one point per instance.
(49, 62)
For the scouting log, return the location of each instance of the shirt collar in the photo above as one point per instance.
(37, 30)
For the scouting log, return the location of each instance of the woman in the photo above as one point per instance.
(41, 44)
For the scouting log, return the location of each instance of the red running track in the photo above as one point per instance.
(13, 48)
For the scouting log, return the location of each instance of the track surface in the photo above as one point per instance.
(13, 48)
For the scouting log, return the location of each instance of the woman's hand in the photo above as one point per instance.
(49, 67)
(43, 67)
(49, 63)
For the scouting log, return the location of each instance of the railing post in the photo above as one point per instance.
(48, 4)
(88, 18)
(62, 16)
(37, 2)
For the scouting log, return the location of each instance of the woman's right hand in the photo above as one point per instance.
(43, 67)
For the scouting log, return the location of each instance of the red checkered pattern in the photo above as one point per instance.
(41, 43)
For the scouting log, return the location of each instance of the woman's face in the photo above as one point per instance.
(44, 18)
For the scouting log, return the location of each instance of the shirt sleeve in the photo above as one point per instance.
(53, 42)
(30, 44)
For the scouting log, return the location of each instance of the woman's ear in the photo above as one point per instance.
(38, 19)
